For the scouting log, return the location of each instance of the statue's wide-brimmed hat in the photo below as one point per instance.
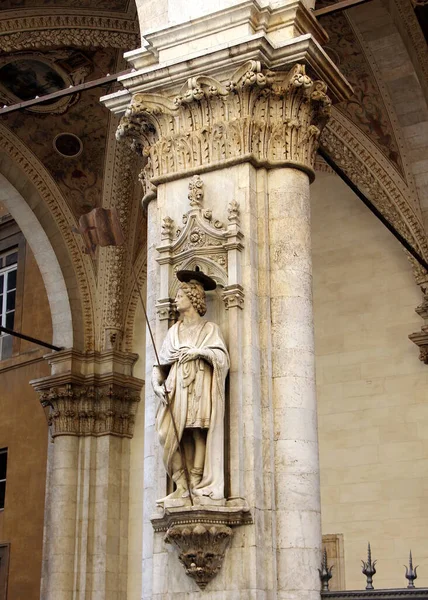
(207, 282)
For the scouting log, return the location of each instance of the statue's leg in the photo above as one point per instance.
(178, 477)
(200, 439)
(188, 445)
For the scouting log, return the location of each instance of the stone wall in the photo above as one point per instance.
(372, 389)
(24, 432)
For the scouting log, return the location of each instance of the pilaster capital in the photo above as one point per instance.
(90, 394)
(270, 119)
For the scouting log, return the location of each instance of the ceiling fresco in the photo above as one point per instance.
(366, 108)
(80, 178)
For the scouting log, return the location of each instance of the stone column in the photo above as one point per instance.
(245, 115)
(92, 400)
(298, 517)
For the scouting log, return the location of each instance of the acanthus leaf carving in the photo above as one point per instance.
(268, 118)
(201, 549)
(78, 409)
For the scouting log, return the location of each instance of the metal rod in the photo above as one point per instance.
(65, 92)
(338, 6)
(373, 209)
(30, 339)
(182, 454)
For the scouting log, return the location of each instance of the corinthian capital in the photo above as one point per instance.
(270, 119)
(90, 394)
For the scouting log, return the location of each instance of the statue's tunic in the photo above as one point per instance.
(197, 398)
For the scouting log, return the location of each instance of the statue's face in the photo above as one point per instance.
(182, 302)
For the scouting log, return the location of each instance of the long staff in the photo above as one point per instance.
(101, 227)
(168, 403)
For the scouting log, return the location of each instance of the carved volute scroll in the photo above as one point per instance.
(201, 242)
(269, 118)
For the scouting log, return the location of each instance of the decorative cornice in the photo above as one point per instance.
(65, 221)
(222, 61)
(269, 119)
(235, 512)
(29, 32)
(290, 20)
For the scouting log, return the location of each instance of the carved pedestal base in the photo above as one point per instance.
(201, 549)
(201, 533)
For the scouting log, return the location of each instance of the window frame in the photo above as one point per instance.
(4, 290)
(4, 451)
(4, 569)
(11, 238)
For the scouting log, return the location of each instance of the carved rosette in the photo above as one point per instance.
(77, 409)
(272, 119)
(201, 549)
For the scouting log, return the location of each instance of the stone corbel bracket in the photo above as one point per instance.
(203, 243)
(201, 535)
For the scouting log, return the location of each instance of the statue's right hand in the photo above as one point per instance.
(160, 393)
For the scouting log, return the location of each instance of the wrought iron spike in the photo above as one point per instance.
(369, 568)
(411, 574)
(325, 572)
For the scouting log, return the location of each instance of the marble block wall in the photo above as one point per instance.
(372, 389)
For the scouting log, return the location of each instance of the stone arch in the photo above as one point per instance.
(369, 170)
(62, 29)
(21, 169)
(46, 260)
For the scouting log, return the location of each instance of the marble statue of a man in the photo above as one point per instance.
(193, 366)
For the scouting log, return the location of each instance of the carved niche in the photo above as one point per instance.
(204, 243)
(201, 532)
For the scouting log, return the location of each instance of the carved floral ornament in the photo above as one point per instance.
(50, 30)
(270, 118)
(201, 549)
(77, 409)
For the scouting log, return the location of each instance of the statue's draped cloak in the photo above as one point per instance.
(201, 377)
